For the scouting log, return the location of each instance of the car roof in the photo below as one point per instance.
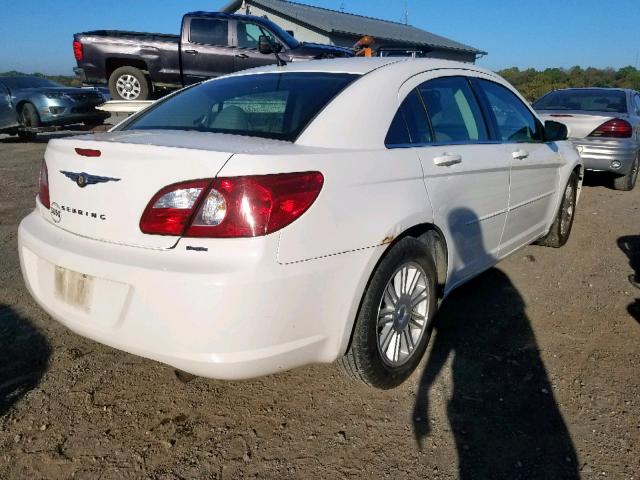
(364, 65)
(229, 16)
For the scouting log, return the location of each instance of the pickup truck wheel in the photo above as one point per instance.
(28, 118)
(628, 181)
(561, 228)
(393, 326)
(128, 83)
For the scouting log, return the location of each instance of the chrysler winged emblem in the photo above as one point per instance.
(83, 179)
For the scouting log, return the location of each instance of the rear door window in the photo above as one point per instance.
(453, 110)
(209, 31)
(410, 125)
(514, 121)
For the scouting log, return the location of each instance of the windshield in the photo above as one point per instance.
(270, 105)
(586, 100)
(285, 36)
(28, 82)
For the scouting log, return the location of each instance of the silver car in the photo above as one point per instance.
(604, 125)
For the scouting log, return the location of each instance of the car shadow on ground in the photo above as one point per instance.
(630, 245)
(598, 179)
(24, 357)
(502, 410)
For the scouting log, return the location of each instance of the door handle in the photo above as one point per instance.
(446, 160)
(191, 52)
(520, 154)
(242, 55)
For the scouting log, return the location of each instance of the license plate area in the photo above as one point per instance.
(73, 288)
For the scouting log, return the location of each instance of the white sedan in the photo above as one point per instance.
(290, 215)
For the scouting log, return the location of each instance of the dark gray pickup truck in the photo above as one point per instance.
(136, 65)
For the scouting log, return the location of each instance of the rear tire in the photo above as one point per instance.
(129, 83)
(377, 356)
(628, 181)
(28, 118)
(561, 228)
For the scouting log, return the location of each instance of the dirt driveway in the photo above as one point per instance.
(533, 372)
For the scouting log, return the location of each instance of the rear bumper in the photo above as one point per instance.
(228, 313)
(80, 74)
(62, 111)
(615, 156)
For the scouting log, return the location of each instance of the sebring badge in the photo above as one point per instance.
(83, 179)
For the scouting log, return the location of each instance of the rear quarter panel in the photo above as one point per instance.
(368, 198)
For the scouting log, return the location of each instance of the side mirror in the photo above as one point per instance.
(266, 46)
(555, 131)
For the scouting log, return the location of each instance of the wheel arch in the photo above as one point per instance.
(434, 240)
(22, 103)
(579, 171)
(113, 63)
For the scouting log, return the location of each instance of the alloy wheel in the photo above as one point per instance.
(403, 313)
(128, 87)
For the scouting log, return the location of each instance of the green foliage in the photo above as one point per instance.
(533, 83)
(62, 79)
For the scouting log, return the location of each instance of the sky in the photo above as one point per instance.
(36, 35)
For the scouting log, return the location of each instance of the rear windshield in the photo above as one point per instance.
(586, 100)
(270, 105)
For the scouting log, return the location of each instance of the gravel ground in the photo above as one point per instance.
(532, 373)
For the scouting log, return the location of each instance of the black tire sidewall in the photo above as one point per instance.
(118, 72)
(379, 373)
(573, 180)
(29, 110)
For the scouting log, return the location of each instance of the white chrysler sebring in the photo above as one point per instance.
(290, 215)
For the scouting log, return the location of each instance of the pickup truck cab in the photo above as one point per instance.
(136, 65)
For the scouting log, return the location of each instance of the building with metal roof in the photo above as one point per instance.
(322, 25)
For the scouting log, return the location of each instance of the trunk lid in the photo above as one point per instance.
(579, 123)
(131, 168)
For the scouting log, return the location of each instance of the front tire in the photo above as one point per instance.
(28, 118)
(393, 326)
(128, 83)
(628, 181)
(561, 228)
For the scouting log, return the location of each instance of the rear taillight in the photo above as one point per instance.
(169, 211)
(77, 50)
(231, 207)
(615, 128)
(43, 192)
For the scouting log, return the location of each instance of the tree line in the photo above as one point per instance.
(532, 84)
(66, 80)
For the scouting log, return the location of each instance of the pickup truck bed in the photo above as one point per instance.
(154, 54)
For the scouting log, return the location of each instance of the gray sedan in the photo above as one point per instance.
(604, 125)
(27, 103)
